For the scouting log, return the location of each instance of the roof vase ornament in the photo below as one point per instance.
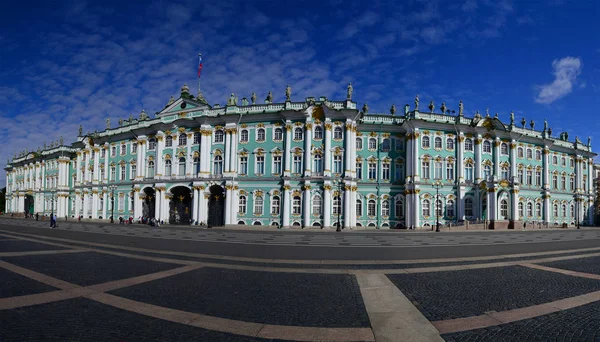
(143, 115)
(171, 100)
(185, 89)
(253, 98)
(461, 108)
(232, 100)
(406, 109)
(532, 124)
(107, 123)
(365, 108)
(349, 92)
(431, 106)
(44, 145)
(393, 109)
(288, 93)
(523, 122)
(269, 98)
(130, 118)
(477, 114)
(443, 108)
(120, 122)
(417, 103)
(61, 140)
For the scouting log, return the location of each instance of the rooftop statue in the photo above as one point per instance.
(44, 145)
(244, 101)
(523, 122)
(431, 106)
(532, 124)
(461, 108)
(269, 98)
(185, 89)
(549, 131)
(487, 112)
(253, 98)
(143, 115)
(120, 122)
(365, 109)
(577, 140)
(80, 130)
(393, 109)
(232, 100)
(417, 103)
(107, 123)
(545, 125)
(512, 117)
(171, 100)
(349, 92)
(130, 118)
(496, 116)
(443, 108)
(288, 93)
(61, 140)
(589, 141)
(406, 109)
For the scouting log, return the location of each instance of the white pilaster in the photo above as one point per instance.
(307, 149)
(306, 203)
(347, 205)
(478, 158)
(159, 165)
(327, 156)
(327, 205)
(286, 206)
(288, 155)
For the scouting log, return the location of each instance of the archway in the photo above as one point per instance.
(180, 205)
(29, 205)
(149, 202)
(216, 206)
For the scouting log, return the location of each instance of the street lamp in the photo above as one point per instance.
(338, 184)
(52, 193)
(437, 185)
(112, 200)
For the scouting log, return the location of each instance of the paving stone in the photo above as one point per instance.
(13, 284)
(25, 246)
(446, 295)
(86, 320)
(318, 300)
(585, 265)
(88, 268)
(577, 324)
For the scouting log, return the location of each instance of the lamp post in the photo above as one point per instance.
(338, 184)
(112, 201)
(437, 185)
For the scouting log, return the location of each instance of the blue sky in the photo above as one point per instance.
(70, 63)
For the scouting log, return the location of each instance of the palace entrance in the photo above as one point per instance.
(29, 204)
(216, 206)
(180, 206)
(148, 203)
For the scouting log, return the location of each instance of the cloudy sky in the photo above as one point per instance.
(68, 63)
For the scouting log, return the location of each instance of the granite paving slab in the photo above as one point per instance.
(587, 265)
(88, 268)
(25, 246)
(316, 300)
(447, 295)
(13, 284)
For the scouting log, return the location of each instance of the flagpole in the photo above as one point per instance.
(199, 58)
(200, 97)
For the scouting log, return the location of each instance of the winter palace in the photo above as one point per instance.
(311, 163)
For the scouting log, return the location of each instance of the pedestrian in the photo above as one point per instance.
(55, 221)
(37, 216)
(51, 223)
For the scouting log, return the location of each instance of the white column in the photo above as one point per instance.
(497, 158)
(352, 166)
(491, 207)
(138, 204)
(478, 158)
(287, 154)
(106, 167)
(203, 206)
(409, 163)
(234, 204)
(96, 165)
(95, 204)
(514, 205)
(228, 197)
(307, 149)
(188, 158)
(104, 202)
(233, 156)
(347, 205)
(327, 205)
(416, 142)
(306, 203)
(353, 205)
(141, 152)
(79, 166)
(327, 155)
(546, 167)
(348, 144)
(195, 194)
(227, 155)
(417, 208)
(205, 147)
(159, 167)
(286, 206)
(158, 199)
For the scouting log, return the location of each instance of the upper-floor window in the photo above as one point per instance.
(538, 155)
(385, 145)
(278, 134)
(134, 147)
(151, 144)
(425, 142)
(469, 144)
(520, 152)
(298, 134)
(554, 160)
(372, 144)
(437, 142)
(449, 143)
(260, 134)
(337, 133)
(504, 149)
(244, 135)
(123, 149)
(196, 138)
(487, 147)
(529, 154)
(359, 143)
(219, 136)
(102, 153)
(182, 139)
(399, 144)
(318, 132)
(169, 141)
(563, 161)
(571, 162)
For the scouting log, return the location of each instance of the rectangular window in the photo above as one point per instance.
(337, 164)
(571, 183)
(372, 171)
(563, 182)
(469, 172)
(538, 178)
(529, 177)
(438, 170)
(359, 169)
(260, 165)
(113, 173)
(450, 171)
(425, 169)
(123, 149)
(399, 145)
(133, 171)
(297, 165)
(102, 153)
(134, 148)
(399, 171)
(277, 165)
(121, 203)
(520, 175)
(385, 172)
(243, 165)
(258, 205)
(358, 208)
(123, 172)
(555, 182)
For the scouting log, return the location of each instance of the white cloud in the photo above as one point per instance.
(565, 72)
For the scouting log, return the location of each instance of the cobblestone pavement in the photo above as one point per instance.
(78, 290)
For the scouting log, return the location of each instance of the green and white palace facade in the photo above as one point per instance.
(311, 163)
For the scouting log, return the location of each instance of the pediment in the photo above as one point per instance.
(489, 123)
(182, 105)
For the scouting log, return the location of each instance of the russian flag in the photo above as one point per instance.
(199, 64)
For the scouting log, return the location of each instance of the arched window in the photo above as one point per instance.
(182, 166)
(439, 208)
(487, 171)
(503, 209)
(399, 209)
(242, 205)
(450, 208)
(278, 134)
(572, 210)
(168, 141)
(258, 205)
(529, 209)
(337, 205)
(564, 210)
(275, 205)
(318, 163)
(529, 153)
(359, 143)
(151, 144)
(318, 133)
(150, 171)
(504, 149)
(425, 142)
(371, 208)
(298, 133)
(437, 143)
(449, 143)
(555, 160)
(504, 172)
(469, 171)
(538, 209)
(385, 145)
(469, 144)
(385, 208)
(196, 138)
(338, 134)
(219, 136)
(468, 207)
(555, 210)
(358, 208)
(218, 165)
(316, 205)
(196, 165)
(520, 206)
(372, 144)
(538, 155)
(244, 135)
(520, 152)
(168, 167)
(260, 134)
(296, 205)
(487, 146)
(426, 208)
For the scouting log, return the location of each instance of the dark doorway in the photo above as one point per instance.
(216, 206)
(180, 206)
(148, 203)
(29, 204)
